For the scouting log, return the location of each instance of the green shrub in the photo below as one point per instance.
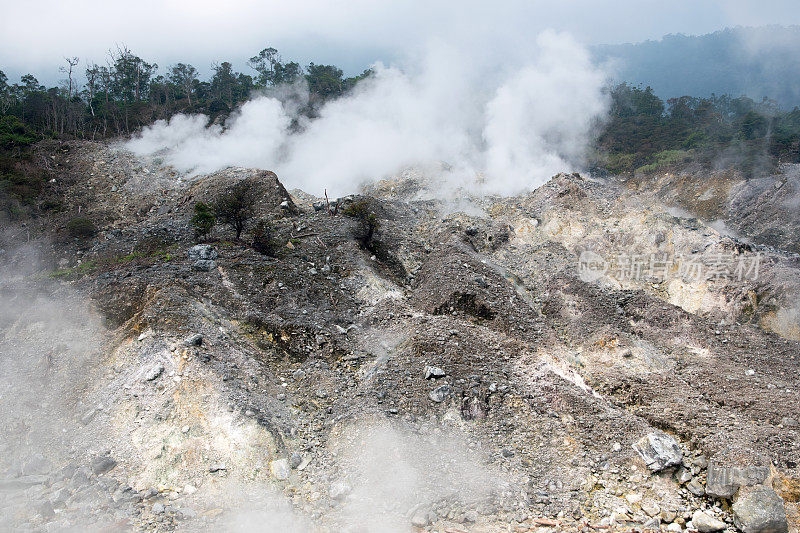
(203, 220)
(665, 159)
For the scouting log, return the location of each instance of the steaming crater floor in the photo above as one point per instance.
(468, 372)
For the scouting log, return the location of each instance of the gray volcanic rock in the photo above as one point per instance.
(659, 451)
(760, 510)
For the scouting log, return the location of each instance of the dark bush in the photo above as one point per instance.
(235, 207)
(81, 228)
(368, 222)
(263, 238)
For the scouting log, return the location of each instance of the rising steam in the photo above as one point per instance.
(512, 125)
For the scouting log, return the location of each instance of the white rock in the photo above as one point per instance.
(706, 523)
(279, 468)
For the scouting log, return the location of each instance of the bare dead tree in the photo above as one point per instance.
(335, 210)
(71, 61)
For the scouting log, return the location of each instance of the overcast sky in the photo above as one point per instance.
(36, 34)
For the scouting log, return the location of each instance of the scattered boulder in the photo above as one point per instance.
(723, 481)
(433, 372)
(760, 510)
(683, 476)
(154, 373)
(203, 256)
(659, 451)
(280, 469)
(789, 422)
(196, 339)
(102, 464)
(202, 251)
(204, 265)
(186, 513)
(440, 394)
(706, 523)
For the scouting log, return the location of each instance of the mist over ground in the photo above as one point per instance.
(507, 127)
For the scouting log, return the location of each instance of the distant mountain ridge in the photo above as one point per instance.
(754, 61)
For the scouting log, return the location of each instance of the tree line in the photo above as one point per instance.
(127, 93)
(641, 133)
(645, 133)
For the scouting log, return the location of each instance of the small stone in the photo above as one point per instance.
(295, 460)
(471, 516)
(760, 510)
(154, 372)
(659, 451)
(706, 523)
(616, 447)
(683, 476)
(650, 509)
(434, 372)
(157, 508)
(420, 519)
(696, 487)
(102, 464)
(668, 515)
(280, 469)
(633, 498)
(186, 513)
(339, 490)
(789, 422)
(440, 394)
(195, 339)
(217, 467)
(654, 524)
(675, 528)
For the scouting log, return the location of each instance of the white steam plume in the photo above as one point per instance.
(514, 122)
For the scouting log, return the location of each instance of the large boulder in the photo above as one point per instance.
(724, 481)
(760, 510)
(659, 451)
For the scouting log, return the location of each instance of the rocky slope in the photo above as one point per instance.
(575, 358)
